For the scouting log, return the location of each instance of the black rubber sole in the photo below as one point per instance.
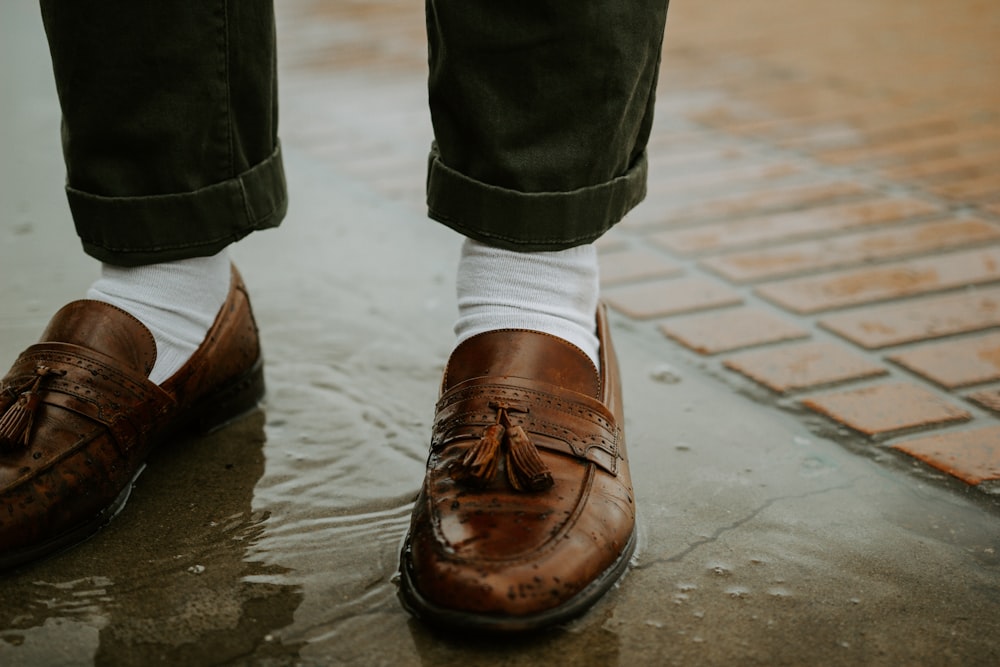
(213, 412)
(451, 619)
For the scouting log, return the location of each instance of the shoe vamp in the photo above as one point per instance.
(499, 524)
(496, 550)
(66, 476)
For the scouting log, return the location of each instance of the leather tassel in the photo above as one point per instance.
(525, 468)
(15, 427)
(479, 465)
(19, 419)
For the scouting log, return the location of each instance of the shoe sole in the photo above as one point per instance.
(212, 413)
(452, 619)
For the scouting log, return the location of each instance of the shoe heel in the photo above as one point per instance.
(231, 402)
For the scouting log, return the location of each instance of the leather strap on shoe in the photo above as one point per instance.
(552, 418)
(82, 381)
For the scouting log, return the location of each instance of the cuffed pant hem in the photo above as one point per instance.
(131, 231)
(530, 221)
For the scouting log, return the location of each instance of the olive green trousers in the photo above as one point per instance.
(541, 112)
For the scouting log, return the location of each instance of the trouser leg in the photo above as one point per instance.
(541, 112)
(169, 123)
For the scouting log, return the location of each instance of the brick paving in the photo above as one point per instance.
(791, 225)
(883, 409)
(679, 295)
(955, 363)
(987, 398)
(626, 266)
(970, 455)
(823, 215)
(918, 319)
(731, 329)
(885, 282)
(851, 249)
(803, 366)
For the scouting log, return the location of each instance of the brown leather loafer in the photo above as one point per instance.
(526, 515)
(78, 416)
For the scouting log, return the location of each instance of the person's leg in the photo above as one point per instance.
(169, 124)
(541, 114)
(169, 137)
(555, 292)
(177, 301)
(170, 143)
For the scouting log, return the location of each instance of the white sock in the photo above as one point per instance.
(177, 301)
(553, 292)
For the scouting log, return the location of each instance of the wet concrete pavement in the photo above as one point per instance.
(770, 534)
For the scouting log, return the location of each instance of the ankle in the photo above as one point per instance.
(177, 301)
(551, 292)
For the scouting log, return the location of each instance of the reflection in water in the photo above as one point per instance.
(166, 581)
(587, 638)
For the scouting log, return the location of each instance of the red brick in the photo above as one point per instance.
(981, 188)
(731, 329)
(670, 297)
(803, 365)
(889, 281)
(871, 130)
(972, 456)
(882, 326)
(791, 225)
(795, 101)
(988, 398)
(839, 251)
(677, 137)
(672, 209)
(950, 167)
(955, 363)
(630, 265)
(756, 172)
(705, 155)
(886, 408)
(979, 138)
(690, 105)
(730, 114)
